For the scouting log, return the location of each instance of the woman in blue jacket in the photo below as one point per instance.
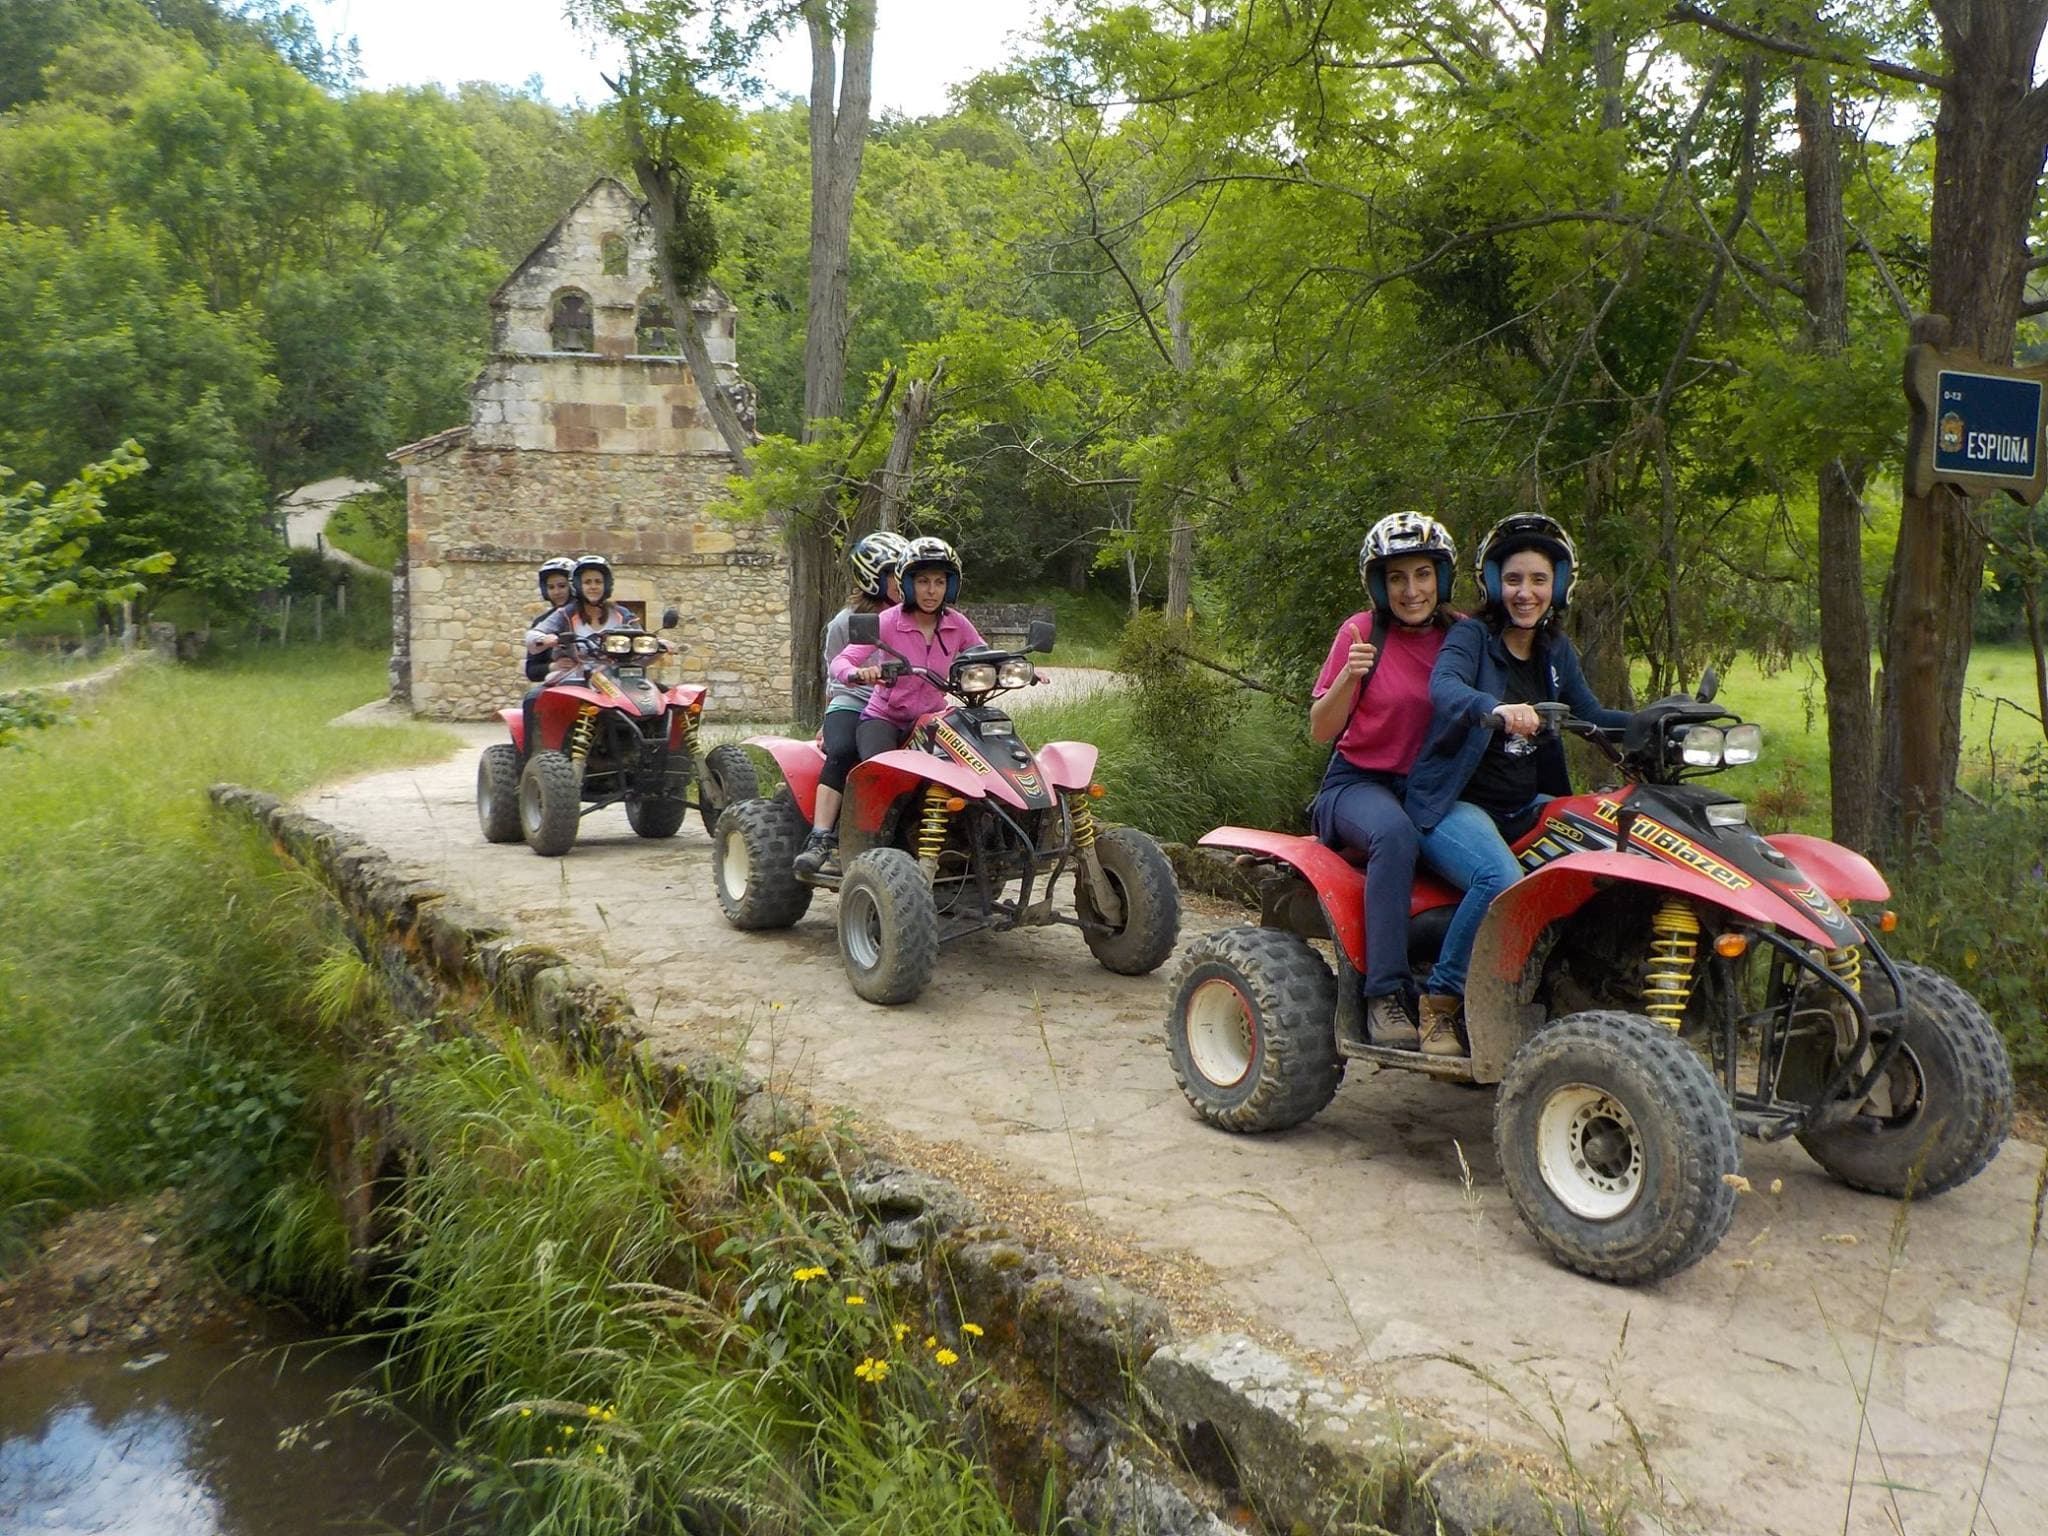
(1482, 775)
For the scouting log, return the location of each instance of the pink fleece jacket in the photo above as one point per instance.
(908, 697)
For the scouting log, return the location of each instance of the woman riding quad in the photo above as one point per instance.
(1481, 777)
(556, 579)
(592, 612)
(927, 630)
(875, 587)
(1372, 700)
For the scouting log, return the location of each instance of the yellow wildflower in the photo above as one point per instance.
(931, 1341)
(946, 1357)
(526, 1413)
(607, 1416)
(568, 1429)
(872, 1370)
(902, 1332)
(777, 1157)
(804, 1276)
(856, 1301)
(600, 1450)
(590, 1410)
(972, 1329)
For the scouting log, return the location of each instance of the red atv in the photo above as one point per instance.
(1662, 978)
(962, 829)
(614, 735)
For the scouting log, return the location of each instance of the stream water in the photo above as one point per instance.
(207, 1436)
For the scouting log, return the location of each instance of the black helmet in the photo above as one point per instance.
(1527, 530)
(923, 553)
(591, 563)
(561, 565)
(874, 560)
(1406, 533)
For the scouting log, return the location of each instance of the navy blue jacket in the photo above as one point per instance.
(1470, 678)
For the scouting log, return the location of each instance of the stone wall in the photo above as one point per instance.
(478, 522)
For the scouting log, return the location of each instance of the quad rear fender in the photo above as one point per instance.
(800, 763)
(1067, 764)
(1339, 887)
(1498, 1013)
(877, 784)
(1843, 873)
(515, 722)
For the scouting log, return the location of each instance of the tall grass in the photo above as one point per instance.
(653, 1328)
(146, 955)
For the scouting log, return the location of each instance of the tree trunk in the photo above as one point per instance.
(657, 185)
(840, 93)
(881, 501)
(1989, 138)
(1180, 551)
(1844, 618)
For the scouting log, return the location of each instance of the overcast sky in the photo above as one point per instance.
(921, 46)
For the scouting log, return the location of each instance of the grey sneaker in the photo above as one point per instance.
(1387, 1023)
(818, 856)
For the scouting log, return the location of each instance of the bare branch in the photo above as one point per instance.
(1876, 66)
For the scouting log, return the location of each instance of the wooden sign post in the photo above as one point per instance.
(1975, 426)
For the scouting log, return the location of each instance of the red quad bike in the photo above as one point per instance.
(615, 736)
(1661, 978)
(936, 836)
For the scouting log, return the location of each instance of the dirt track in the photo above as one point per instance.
(1355, 1235)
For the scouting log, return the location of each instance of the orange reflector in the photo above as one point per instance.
(1888, 923)
(696, 705)
(956, 804)
(1095, 791)
(1732, 946)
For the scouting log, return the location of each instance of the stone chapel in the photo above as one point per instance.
(586, 435)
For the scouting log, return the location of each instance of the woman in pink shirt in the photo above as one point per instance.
(1372, 700)
(926, 630)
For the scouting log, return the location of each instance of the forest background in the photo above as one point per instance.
(1189, 294)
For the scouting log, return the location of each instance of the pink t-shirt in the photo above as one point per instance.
(908, 697)
(1386, 728)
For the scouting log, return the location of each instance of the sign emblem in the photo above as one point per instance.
(1951, 433)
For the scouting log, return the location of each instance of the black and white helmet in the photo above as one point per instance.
(561, 565)
(923, 554)
(874, 560)
(591, 563)
(1406, 533)
(1527, 530)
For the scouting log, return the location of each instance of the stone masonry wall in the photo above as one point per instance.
(479, 521)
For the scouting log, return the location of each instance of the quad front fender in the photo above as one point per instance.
(556, 710)
(800, 763)
(1067, 764)
(515, 722)
(1841, 872)
(878, 783)
(1498, 1014)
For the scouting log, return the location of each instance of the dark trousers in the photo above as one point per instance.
(874, 737)
(842, 748)
(1359, 810)
(532, 743)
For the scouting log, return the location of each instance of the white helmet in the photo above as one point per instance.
(1406, 533)
(874, 560)
(924, 552)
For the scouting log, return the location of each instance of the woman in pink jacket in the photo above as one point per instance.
(926, 630)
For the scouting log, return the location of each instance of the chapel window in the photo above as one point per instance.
(613, 248)
(654, 328)
(569, 324)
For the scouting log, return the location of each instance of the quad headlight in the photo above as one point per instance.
(1742, 744)
(618, 645)
(1015, 673)
(1729, 813)
(1700, 746)
(646, 645)
(975, 677)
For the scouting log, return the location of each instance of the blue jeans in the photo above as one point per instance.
(1362, 811)
(1466, 848)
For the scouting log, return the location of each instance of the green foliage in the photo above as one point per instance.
(151, 955)
(655, 1326)
(1980, 910)
(371, 527)
(43, 540)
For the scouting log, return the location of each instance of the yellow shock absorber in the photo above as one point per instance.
(1674, 946)
(931, 831)
(579, 733)
(690, 734)
(1084, 821)
(1847, 964)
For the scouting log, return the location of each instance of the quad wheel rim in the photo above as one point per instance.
(530, 806)
(1220, 1032)
(1589, 1152)
(733, 868)
(860, 928)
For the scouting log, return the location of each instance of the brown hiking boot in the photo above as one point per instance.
(1387, 1023)
(1440, 1013)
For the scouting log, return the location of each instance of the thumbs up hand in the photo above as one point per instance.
(1360, 660)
